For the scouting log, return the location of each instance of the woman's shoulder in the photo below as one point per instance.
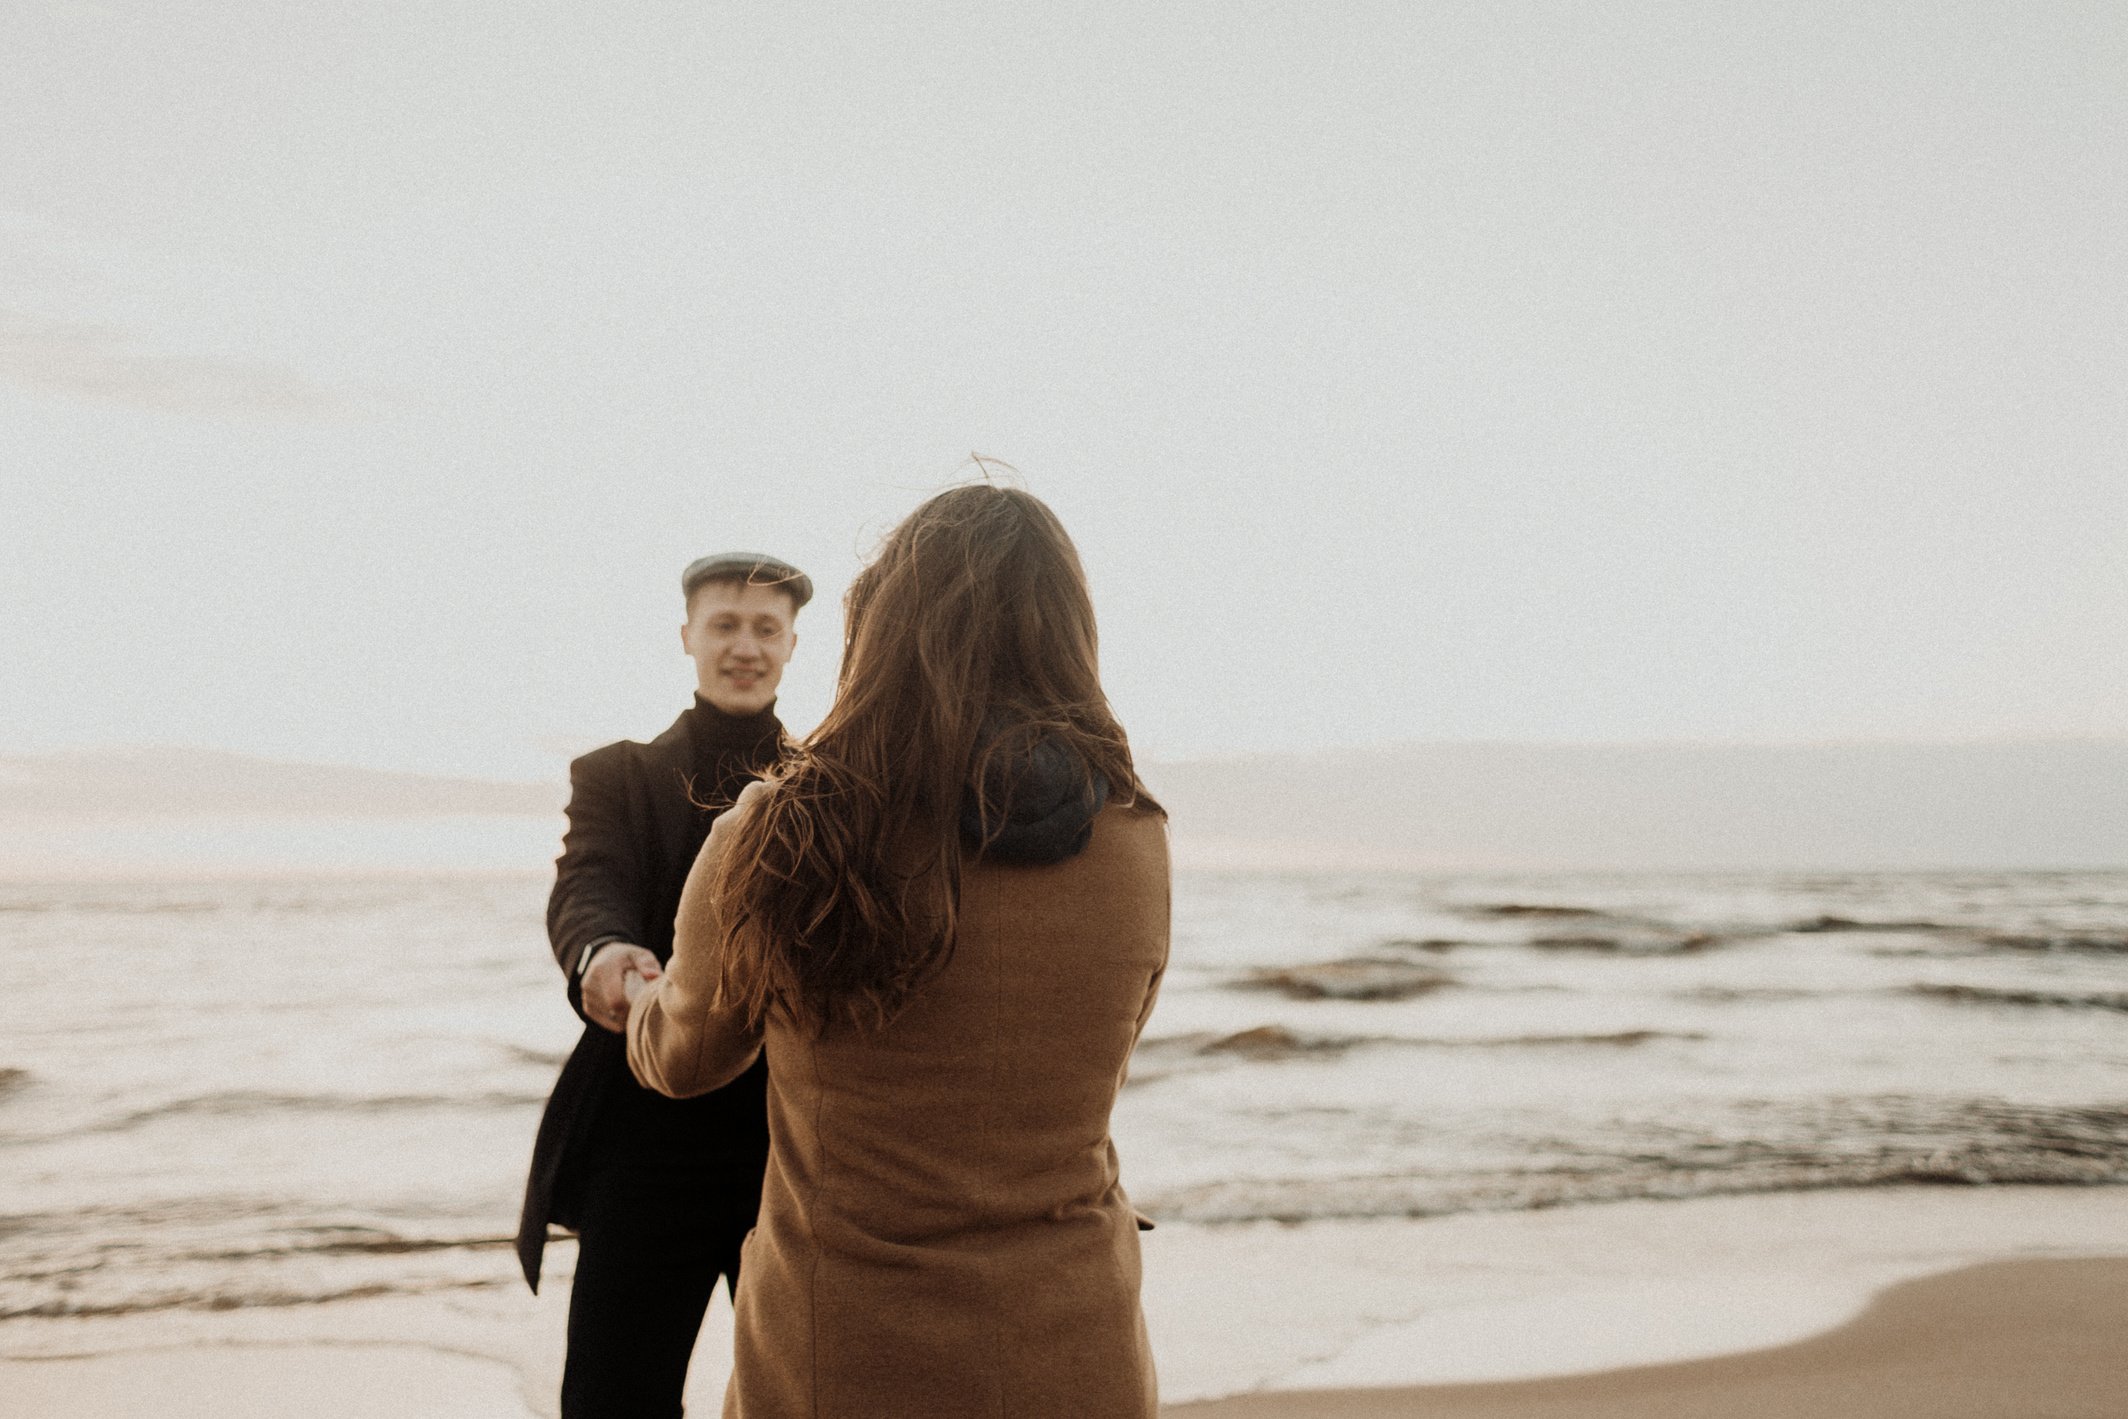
(1130, 836)
(1142, 810)
(1143, 814)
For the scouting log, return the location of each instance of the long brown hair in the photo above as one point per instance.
(970, 636)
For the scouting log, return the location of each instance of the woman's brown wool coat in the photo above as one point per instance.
(942, 1232)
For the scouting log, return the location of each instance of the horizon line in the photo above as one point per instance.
(113, 750)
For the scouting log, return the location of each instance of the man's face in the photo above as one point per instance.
(740, 638)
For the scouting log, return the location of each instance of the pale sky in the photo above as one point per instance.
(1575, 371)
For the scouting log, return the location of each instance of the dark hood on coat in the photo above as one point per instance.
(1035, 809)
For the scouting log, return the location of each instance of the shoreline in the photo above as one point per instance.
(1993, 1341)
(1999, 1340)
(1359, 1318)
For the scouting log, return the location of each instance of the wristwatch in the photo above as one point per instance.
(583, 961)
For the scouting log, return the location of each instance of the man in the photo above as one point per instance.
(659, 1191)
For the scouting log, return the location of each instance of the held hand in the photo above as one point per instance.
(607, 983)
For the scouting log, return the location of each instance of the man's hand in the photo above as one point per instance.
(606, 981)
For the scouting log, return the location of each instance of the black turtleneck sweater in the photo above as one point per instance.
(730, 751)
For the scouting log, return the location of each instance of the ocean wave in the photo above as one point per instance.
(1269, 1042)
(238, 1102)
(1259, 1043)
(1166, 1056)
(2051, 999)
(1275, 1042)
(1644, 944)
(119, 1231)
(233, 1251)
(1975, 938)
(2074, 943)
(233, 1298)
(335, 1241)
(1587, 929)
(1358, 978)
(1314, 1200)
(1514, 911)
(1611, 1038)
(1898, 1143)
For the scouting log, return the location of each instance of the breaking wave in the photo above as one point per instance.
(2050, 999)
(1874, 1143)
(233, 1103)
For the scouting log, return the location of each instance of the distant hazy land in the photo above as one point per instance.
(2005, 804)
(186, 812)
(156, 783)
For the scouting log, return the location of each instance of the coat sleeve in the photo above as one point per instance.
(682, 1039)
(1166, 930)
(599, 893)
(1152, 985)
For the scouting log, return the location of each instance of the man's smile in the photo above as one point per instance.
(739, 637)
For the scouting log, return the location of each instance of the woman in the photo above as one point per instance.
(944, 920)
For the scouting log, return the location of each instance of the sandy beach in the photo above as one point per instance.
(2006, 1303)
(1999, 1341)
(2004, 1340)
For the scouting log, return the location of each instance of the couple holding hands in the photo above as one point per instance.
(858, 1006)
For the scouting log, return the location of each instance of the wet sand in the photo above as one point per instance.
(1951, 1303)
(263, 1382)
(2005, 1340)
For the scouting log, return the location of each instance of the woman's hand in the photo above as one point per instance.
(612, 980)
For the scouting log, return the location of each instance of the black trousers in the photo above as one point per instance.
(652, 1244)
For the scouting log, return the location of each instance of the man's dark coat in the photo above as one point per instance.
(635, 825)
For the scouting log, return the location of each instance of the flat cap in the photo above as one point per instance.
(754, 568)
